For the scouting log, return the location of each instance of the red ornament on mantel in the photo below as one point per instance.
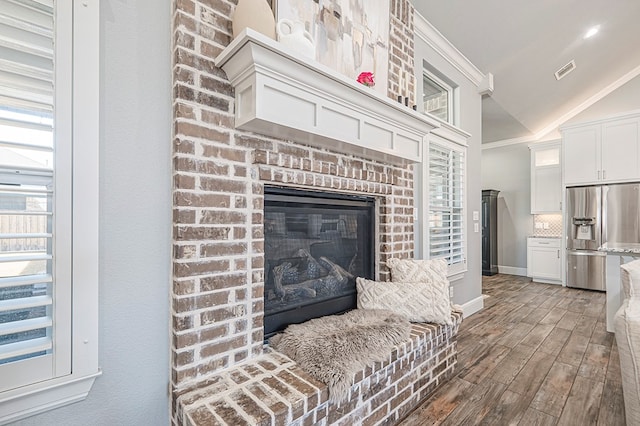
(366, 78)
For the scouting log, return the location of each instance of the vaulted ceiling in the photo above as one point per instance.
(523, 43)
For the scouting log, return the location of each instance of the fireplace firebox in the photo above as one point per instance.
(316, 244)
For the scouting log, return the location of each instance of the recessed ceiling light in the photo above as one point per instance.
(592, 31)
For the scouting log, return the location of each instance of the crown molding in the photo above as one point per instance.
(545, 144)
(434, 38)
(509, 142)
(530, 140)
(486, 85)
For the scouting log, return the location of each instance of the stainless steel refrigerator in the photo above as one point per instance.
(585, 265)
(621, 214)
(596, 215)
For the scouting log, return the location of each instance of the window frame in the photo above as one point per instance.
(459, 267)
(451, 91)
(456, 139)
(76, 35)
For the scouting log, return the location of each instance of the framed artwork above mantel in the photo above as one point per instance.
(349, 36)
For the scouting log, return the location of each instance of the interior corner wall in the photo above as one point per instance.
(507, 169)
(135, 222)
(624, 98)
(470, 120)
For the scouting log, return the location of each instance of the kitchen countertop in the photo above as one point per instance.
(622, 248)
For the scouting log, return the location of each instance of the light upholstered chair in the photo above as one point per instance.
(627, 328)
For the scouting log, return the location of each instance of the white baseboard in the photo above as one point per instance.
(544, 281)
(472, 306)
(512, 270)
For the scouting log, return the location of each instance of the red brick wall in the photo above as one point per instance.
(218, 179)
(401, 53)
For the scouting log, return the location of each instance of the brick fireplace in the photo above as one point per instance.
(220, 174)
(316, 244)
(219, 279)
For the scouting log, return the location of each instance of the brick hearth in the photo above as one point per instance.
(271, 390)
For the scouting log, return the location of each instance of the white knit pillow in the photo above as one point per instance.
(630, 277)
(419, 301)
(410, 270)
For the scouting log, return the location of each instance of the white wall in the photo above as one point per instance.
(625, 98)
(507, 169)
(135, 221)
(470, 287)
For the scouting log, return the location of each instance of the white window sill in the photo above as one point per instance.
(455, 276)
(38, 398)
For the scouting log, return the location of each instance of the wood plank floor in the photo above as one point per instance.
(537, 354)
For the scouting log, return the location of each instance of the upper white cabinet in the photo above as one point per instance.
(581, 154)
(602, 151)
(620, 150)
(546, 178)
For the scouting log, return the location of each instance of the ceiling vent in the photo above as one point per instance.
(565, 70)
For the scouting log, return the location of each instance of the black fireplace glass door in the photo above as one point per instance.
(316, 244)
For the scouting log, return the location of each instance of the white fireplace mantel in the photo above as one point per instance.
(283, 94)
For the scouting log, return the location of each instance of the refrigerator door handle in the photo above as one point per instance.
(603, 226)
(586, 253)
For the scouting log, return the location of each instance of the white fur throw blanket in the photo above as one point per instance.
(334, 348)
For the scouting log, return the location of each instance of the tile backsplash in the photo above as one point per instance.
(547, 225)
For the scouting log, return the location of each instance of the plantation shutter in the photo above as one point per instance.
(27, 221)
(26, 55)
(446, 203)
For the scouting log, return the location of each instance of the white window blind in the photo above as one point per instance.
(49, 191)
(31, 324)
(446, 227)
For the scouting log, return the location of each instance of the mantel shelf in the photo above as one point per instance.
(282, 94)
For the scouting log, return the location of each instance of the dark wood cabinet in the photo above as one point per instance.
(489, 232)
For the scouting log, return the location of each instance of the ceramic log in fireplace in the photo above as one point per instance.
(316, 244)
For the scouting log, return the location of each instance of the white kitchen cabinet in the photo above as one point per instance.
(581, 154)
(620, 150)
(544, 263)
(602, 151)
(546, 178)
